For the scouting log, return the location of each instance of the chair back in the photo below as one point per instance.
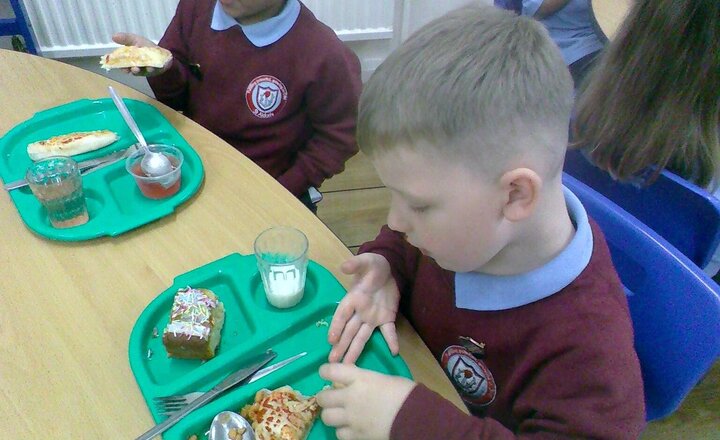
(18, 25)
(682, 213)
(675, 306)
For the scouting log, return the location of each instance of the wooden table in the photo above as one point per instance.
(67, 309)
(609, 15)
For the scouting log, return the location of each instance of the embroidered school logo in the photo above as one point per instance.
(470, 376)
(265, 96)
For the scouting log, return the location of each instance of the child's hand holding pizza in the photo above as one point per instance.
(139, 56)
(363, 403)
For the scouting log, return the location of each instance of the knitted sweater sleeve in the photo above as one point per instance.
(403, 257)
(332, 101)
(171, 88)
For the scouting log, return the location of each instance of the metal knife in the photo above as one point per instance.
(249, 368)
(126, 153)
(85, 166)
(272, 368)
(190, 397)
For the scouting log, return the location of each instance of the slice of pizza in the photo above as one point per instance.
(133, 56)
(283, 414)
(71, 144)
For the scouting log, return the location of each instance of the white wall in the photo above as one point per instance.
(419, 12)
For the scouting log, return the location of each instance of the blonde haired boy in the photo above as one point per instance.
(495, 264)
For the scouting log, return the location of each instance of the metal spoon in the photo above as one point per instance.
(153, 164)
(227, 420)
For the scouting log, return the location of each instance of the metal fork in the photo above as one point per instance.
(167, 405)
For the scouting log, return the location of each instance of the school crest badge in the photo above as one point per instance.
(469, 375)
(265, 96)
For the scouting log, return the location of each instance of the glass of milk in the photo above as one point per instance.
(281, 254)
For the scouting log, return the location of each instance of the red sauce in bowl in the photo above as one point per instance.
(153, 190)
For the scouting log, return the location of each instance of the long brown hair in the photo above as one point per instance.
(654, 97)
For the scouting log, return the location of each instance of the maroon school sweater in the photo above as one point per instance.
(558, 368)
(304, 131)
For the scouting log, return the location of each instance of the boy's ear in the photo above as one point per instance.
(522, 186)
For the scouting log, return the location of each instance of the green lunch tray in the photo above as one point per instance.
(251, 326)
(114, 201)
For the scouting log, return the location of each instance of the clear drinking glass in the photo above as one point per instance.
(57, 184)
(281, 254)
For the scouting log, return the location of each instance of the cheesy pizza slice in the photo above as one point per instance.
(282, 414)
(133, 56)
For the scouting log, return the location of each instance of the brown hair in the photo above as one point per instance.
(654, 97)
(478, 84)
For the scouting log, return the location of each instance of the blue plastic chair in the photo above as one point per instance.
(675, 306)
(18, 26)
(682, 213)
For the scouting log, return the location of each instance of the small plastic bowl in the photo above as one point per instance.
(157, 187)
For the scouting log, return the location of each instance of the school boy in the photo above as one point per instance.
(492, 260)
(268, 78)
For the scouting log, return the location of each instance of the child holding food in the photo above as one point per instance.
(496, 264)
(268, 78)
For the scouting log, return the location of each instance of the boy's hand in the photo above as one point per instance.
(364, 404)
(371, 302)
(127, 39)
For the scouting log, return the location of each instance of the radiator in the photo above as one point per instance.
(79, 28)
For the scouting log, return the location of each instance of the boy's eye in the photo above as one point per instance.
(419, 209)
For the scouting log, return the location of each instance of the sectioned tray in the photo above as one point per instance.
(252, 325)
(115, 203)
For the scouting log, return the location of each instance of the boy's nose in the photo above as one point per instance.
(395, 220)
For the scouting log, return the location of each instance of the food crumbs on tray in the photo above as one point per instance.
(322, 323)
(155, 332)
(149, 354)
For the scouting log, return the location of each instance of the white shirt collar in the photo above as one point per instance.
(263, 33)
(483, 292)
